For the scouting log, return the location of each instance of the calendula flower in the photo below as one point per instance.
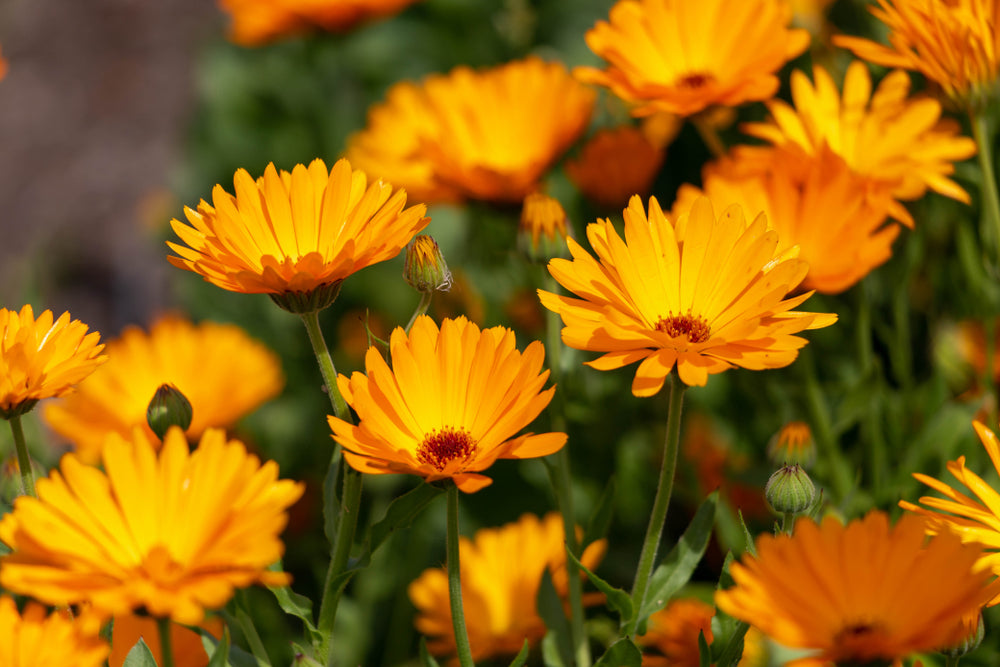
(671, 638)
(810, 14)
(614, 165)
(702, 293)
(717, 465)
(425, 269)
(544, 227)
(683, 57)
(221, 371)
(170, 533)
(41, 358)
(885, 136)
(793, 443)
(451, 404)
(256, 22)
(39, 639)
(295, 236)
(187, 648)
(837, 218)
(498, 591)
(849, 593)
(488, 135)
(954, 43)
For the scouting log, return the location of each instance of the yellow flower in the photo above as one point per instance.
(810, 14)
(835, 217)
(498, 589)
(614, 165)
(256, 22)
(683, 57)
(672, 633)
(295, 236)
(702, 293)
(186, 643)
(172, 534)
(954, 43)
(488, 135)
(851, 592)
(42, 358)
(34, 639)
(450, 405)
(900, 143)
(222, 372)
(544, 227)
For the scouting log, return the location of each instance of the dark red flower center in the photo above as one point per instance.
(442, 446)
(694, 327)
(695, 80)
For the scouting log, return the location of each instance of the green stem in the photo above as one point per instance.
(455, 581)
(326, 367)
(166, 645)
(989, 354)
(951, 661)
(661, 502)
(425, 302)
(23, 460)
(825, 438)
(984, 144)
(787, 521)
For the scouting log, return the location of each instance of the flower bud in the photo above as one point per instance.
(792, 444)
(544, 227)
(169, 407)
(425, 269)
(974, 631)
(790, 491)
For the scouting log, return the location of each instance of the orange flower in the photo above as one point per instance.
(544, 227)
(256, 22)
(488, 135)
(683, 57)
(704, 293)
(449, 406)
(793, 444)
(614, 165)
(673, 634)
(188, 649)
(34, 639)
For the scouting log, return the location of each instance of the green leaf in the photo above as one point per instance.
(550, 608)
(600, 520)
(220, 652)
(677, 568)
(727, 646)
(296, 605)
(750, 548)
(623, 653)
(331, 505)
(522, 656)
(704, 654)
(426, 659)
(617, 600)
(139, 656)
(223, 654)
(401, 513)
(550, 652)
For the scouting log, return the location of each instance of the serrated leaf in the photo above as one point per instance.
(600, 519)
(550, 608)
(139, 656)
(623, 653)
(426, 659)
(522, 656)
(617, 600)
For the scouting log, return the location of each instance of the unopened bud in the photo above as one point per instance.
(169, 407)
(544, 227)
(425, 269)
(974, 631)
(790, 490)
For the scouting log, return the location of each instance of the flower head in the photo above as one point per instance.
(498, 592)
(683, 57)
(671, 638)
(614, 165)
(792, 444)
(42, 358)
(38, 639)
(703, 293)
(488, 135)
(425, 269)
(172, 534)
(451, 404)
(544, 227)
(848, 591)
(295, 236)
(221, 371)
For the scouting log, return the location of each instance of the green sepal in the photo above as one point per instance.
(522, 656)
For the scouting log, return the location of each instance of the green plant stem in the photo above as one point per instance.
(23, 460)
(825, 437)
(166, 645)
(425, 302)
(455, 581)
(951, 661)
(326, 367)
(863, 332)
(661, 502)
(984, 144)
(787, 521)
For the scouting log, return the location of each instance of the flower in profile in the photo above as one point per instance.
(170, 533)
(38, 639)
(424, 268)
(295, 236)
(256, 22)
(793, 443)
(488, 135)
(188, 650)
(955, 44)
(836, 217)
(498, 592)
(221, 371)
(42, 358)
(848, 591)
(702, 293)
(896, 142)
(671, 638)
(614, 165)
(544, 227)
(672, 55)
(449, 406)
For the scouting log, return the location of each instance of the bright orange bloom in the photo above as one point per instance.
(295, 236)
(42, 358)
(954, 43)
(683, 57)
(544, 227)
(489, 134)
(673, 634)
(896, 142)
(850, 591)
(449, 406)
(256, 22)
(222, 372)
(614, 165)
(186, 643)
(498, 590)
(704, 293)
(36, 639)
(172, 533)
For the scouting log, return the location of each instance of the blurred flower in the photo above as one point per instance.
(222, 372)
(3, 67)
(810, 14)
(614, 165)
(683, 57)
(172, 534)
(488, 135)
(648, 298)
(792, 444)
(42, 358)
(899, 143)
(673, 634)
(835, 217)
(544, 227)
(661, 127)
(425, 269)
(186, 643)
(256, 22)
(295, 236)
(34, 639)
(852, 592)
(502, 570)
(968, 340)
(717, 465)
(954, 43)
(449, 406)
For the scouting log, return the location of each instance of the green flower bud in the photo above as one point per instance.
(169, 407)
(425, 269)
(790, 491)
(974, 633)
